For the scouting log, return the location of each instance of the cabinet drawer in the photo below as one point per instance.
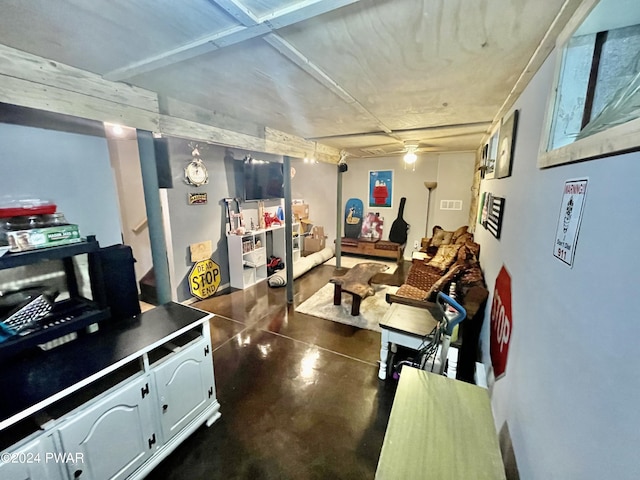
(256, 257)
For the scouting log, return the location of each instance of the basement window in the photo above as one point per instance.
(595, 105)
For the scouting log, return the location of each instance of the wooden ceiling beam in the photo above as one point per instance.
(250, 27)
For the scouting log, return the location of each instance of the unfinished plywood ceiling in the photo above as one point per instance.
(363, 76)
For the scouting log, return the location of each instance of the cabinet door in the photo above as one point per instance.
(37, 460)
(115, 435)
(185, 387)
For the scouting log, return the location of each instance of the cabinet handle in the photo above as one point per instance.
(77, 474)
(164, 408)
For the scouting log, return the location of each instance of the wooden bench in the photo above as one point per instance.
(439, 428)
(357, 282)
(377, 248)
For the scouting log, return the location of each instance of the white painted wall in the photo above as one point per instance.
(452, 171)
(70, 169)
(125, 161)
(570, 393)
(316, 184)
(455, 177)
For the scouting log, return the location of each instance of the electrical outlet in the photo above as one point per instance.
(415, 244)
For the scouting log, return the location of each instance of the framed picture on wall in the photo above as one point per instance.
(506, 145)
(492, 154)
(380, 188)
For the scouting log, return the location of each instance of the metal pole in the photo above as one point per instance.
(288, 227)
(339, 219)
(154, 215)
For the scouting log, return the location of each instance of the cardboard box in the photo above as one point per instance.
(314, 242)
(22, 240)
(306, 225)
(300, 211)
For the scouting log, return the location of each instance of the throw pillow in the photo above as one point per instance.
(445, 257)
(460, 231)
(474, 247)
(440, 237)
(471, 276)
(464, 238)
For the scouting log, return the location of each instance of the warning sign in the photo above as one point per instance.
(570, 218)
(204, 279)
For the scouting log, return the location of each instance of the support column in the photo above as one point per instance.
(288, 227)
(339, 220)
(154, 215)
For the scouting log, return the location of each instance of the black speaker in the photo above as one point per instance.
(343, 167)
(121, 291)
(163, 164)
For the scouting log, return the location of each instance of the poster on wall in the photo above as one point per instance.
(569, 220)
(501, 323)
(495, 212)
(380, 188)
(492, 156)
(506, 145)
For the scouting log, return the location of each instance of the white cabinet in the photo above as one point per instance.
(155, 387)
(247, 259)
(249, 253)
(32, 461)
(185, 387)
(114, 435)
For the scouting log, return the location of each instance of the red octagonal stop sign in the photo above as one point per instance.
(501, 323)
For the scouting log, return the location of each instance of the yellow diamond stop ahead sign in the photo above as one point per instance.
(204, 279)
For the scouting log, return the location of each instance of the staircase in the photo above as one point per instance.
(148, 290)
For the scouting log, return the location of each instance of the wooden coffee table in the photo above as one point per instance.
(357, 282)
(407, 326)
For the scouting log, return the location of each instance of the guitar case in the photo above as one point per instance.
(399, 228)
(353, 213)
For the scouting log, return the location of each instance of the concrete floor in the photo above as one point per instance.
(300, 397)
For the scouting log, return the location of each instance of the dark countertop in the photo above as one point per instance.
(29, 383)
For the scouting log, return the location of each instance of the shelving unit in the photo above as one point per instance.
(279, 244)
(69, 315)
(247, 258)
(248, 253)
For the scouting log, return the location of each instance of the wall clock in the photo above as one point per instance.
(195, 173)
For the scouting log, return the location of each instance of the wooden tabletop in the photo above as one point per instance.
(439, 428)
(413, 320)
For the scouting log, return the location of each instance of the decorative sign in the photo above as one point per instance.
(197, 198)
(380, 188)
(501, 323)
(201, 251)
(573, 196)
(204, 279)
(491, 213)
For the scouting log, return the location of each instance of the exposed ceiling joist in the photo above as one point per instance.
(251, 27)
(475, 126)
(295, 56)
(238, 11)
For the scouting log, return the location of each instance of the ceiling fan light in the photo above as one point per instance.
(410, 158)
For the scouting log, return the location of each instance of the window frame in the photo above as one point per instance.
(614, 140)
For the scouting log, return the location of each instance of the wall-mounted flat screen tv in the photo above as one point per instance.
(263, 180)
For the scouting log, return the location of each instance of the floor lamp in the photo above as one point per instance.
(430, 186)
